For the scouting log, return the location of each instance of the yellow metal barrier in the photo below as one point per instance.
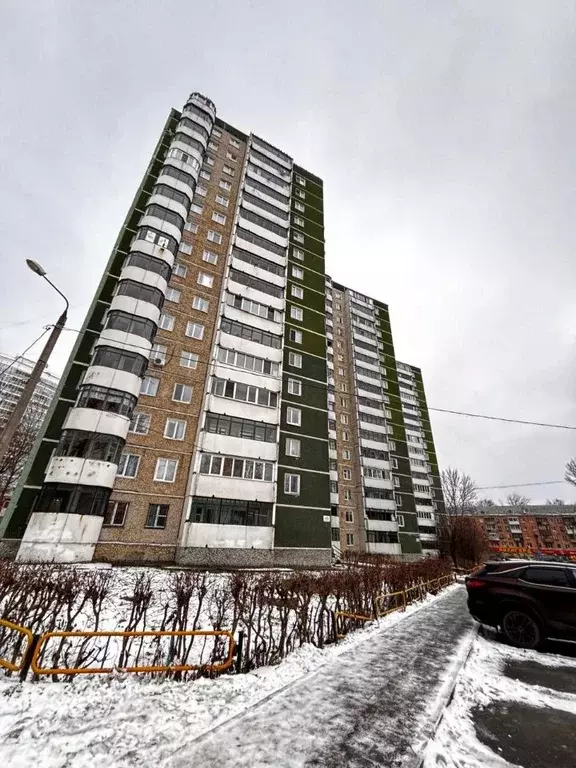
(220, 667)
(29, 637)
(399, 607)
(347, 615)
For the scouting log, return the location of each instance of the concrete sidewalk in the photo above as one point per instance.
(373, 706)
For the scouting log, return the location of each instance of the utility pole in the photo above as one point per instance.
(16, 416)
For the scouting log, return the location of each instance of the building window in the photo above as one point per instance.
(213, 145)
(292, 447)
(228, 170)
(205, 174)
(128, 465)
(185, 247)
(158, 354)
(347, 474)
(298, 254)
(182, 393)
(298, 237)
(166, 322)
(349, 515)
(196, 208)
(398, 500)
(394, 463)
(116, 513)
(221, 200)
(217, 133)
(157, 515)
(297, 291)
(244, 428)
(300, 193)
(298, 221)
(349, 539)
(347, 494)
(149, 386)
(345, 435)
(295, 336)
(188, 359)
(202, 191)
(234, 143)
(296, 313)
(399, 518)
(295, 387)
(346, 455)
(200, 304)
(214, 237)
(297, 273)
(180, 270)
(231, 156)
(140, 424)
(218, 217)
(343, 386)
(225, 185)
(291, 484)
(175, 429)
(205, 280)
(173, 294)
(295, 360)
(190, 227)
(300, 180)
(344, 419)
(299, 207)
(210, 257)
(397, 482)
(294, 416)
(195, 330)
(228, 466)
(166, 470)
(209, 160)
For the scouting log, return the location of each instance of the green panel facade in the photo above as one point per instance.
(300, 517)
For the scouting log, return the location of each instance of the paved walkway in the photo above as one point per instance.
(372, 706)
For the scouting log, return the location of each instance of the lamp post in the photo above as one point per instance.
(16, 415)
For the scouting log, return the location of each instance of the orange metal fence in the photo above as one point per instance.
(23, 636)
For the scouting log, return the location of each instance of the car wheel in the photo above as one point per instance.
(521, 630)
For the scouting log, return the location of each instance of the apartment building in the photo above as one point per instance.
(191, 421)
(227, 404)
(385, 486)
(14, 375)
(546, 528)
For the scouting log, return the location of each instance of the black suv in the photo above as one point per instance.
(528, 600)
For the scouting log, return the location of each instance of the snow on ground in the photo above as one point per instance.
(481, 683)
(124, 720)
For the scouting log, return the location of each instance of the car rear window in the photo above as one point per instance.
(539, 574)
(498, 567)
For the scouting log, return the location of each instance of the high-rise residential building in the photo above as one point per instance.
(385, 483)
(14, 375)
(192, 421)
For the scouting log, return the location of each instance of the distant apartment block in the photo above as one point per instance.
(14, 374)
(545, 528)
(226, 403)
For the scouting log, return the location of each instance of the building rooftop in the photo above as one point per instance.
(529, 509)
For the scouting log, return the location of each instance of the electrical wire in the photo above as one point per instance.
(44, 332)
(520, 485)
(323, 386)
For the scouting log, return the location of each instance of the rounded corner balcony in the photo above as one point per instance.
(203, 102)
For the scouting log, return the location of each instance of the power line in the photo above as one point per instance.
(520, 485)
(44, 332)
(501, 418)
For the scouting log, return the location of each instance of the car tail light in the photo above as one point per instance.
(475, 583)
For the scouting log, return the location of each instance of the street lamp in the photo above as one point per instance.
(16, 415)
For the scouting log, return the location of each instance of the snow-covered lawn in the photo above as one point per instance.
(123, 721)
(482, 683)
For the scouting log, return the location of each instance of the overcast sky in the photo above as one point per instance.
(444, 131)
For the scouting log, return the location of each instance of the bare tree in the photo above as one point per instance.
(484, 504)
(556, 502)
(516, 500)
(570, 471)
(460, 535)
(13, 462)
(459, 492)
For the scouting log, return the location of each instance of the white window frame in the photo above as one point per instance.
(218, 217)
(174, 426)
(298, 253)
(295, 336)
(136, 421)
(165, 463)
(184, 247)
(293, 416)
(173, 295)
(205, 280)
(297, 291)
(295, 359)
(291, 484)
(223, 200)
(146, 385)
(214, 237)
(127, 457)
(209, 257)
(166, 322)
(293, 447)
(197, 330)
(298, 237)
(349, 515)
(295, 387)
(297, 272)
(200, 304)
(188, 359)
(297, 313)
(179, 399)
